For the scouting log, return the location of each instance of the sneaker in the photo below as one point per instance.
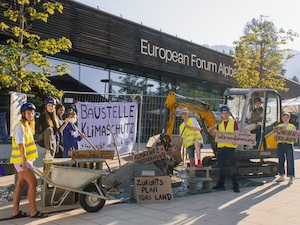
(280, 179)
(199, 164)
(249, 147)
(218, 187)
(291, 180)
(48, 157)
(236, 189)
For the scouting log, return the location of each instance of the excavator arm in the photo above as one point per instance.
(195, 105)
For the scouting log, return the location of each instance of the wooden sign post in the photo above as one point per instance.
(153, 189)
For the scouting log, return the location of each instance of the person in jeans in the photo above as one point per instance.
(226, 151)
(285, 151)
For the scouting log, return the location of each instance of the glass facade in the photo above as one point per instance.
(105, 79)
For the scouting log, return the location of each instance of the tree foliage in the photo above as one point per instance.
(23, 62)
(260, 55)
(132, 84)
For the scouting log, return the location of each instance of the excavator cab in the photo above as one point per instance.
(241, 103)
(250, 162)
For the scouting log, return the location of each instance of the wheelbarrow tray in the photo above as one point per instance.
(74, 178)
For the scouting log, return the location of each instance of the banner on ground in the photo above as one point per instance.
(153, 189)
(150, 155)
(93, 121)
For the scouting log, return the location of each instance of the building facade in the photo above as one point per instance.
(123, 55)
(112, 54)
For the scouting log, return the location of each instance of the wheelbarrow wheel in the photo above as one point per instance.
(90, 203)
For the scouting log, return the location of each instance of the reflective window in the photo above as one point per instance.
(93, 77)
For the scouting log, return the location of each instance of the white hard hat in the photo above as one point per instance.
(184, 110)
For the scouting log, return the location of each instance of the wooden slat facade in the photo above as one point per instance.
(101, 37)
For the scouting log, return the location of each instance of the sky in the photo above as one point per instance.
(213, 22)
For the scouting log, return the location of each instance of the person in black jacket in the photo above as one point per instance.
(47, 127)
(60, 110)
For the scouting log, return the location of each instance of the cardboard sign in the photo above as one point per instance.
(176, 142)
(284, 135)
(153, 189)
(150, 156)
(89, 154)
(239, 138)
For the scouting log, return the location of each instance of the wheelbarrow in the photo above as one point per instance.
(79, 180)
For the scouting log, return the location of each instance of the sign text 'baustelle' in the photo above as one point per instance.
(93, 121)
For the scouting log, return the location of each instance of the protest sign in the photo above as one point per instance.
(93, 122)
(89, 154)
(151, 155)
(153, 189)
(284, 135)
(237, 137)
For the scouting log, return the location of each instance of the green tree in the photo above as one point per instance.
(131, 84)
(260, 55)
(23, 63)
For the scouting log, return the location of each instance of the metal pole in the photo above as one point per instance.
(112, 134)
(140, 120)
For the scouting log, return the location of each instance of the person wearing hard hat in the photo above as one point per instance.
(24, 152)
(192, 138)
(226, 151)
(47, 127)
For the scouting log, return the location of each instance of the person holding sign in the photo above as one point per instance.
(71, 135)
(24, 152)
(226, 151)
(285, 150)
(192, 138)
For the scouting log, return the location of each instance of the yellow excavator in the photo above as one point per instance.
(251, 162)
(204, 111)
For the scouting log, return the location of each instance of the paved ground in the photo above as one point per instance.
(270, 203)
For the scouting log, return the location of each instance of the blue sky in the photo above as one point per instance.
(214, 22)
